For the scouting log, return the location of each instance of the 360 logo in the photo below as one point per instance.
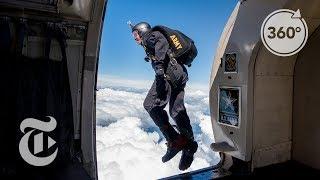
(284, 32)
(38, 141)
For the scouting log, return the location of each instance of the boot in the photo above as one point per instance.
(187, 155)
(173, 147)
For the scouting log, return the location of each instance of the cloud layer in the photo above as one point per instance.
(129, 144)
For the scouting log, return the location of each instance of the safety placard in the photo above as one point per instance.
(229, 106)
(231, 65)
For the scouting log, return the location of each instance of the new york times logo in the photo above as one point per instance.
(24, 150)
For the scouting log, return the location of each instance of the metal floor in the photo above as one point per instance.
(288, 169)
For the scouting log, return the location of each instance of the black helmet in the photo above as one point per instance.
(141, 27)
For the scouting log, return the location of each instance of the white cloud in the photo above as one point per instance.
(129, 144)
(105, 80)
(111, 81)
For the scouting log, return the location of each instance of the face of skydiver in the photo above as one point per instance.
(137, 37)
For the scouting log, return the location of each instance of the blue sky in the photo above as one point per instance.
(202, 20)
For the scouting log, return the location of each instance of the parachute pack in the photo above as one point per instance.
(182, 47)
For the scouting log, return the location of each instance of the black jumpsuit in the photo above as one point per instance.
(162, 91)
